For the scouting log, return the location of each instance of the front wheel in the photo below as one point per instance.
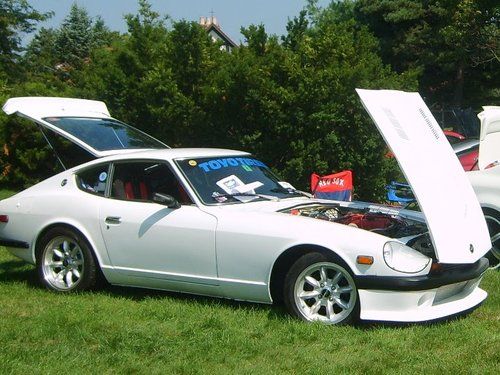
(65, 261)
(319, 289)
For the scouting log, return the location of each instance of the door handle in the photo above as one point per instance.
(113, 220)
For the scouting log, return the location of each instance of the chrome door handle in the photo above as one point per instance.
(113, 220)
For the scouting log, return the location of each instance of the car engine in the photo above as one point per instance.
(411, 232)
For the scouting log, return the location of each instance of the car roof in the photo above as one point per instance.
(169, 154)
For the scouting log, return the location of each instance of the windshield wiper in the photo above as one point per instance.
(235, 195)
(292, 192)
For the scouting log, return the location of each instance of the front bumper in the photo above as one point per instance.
(450, 292)
(447, 274)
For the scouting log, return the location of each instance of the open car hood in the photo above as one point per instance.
(99, 138)
(455, 220)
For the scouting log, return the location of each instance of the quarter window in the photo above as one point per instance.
(93, 180)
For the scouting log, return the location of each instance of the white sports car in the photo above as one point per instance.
(220, 223)
(486, 180)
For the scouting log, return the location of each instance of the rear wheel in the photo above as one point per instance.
(493, 221)
(65, 261)
(320, 289)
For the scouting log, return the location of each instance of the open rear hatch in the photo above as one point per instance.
(86, 123)
(456, 223)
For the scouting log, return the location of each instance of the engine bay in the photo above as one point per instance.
(413, 233)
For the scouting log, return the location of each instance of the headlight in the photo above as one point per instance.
(402, 258)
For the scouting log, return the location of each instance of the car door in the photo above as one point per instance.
(148, 239)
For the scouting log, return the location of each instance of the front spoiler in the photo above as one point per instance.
(447, 274)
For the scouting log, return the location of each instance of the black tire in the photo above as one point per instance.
(493, 221)
(65, 262)
(333, 299)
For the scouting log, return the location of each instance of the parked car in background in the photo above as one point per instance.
(486, 179)
(220, 223)
(453, 137)
(467, 152)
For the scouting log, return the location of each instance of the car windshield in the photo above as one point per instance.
(105, 134)
(230, 179)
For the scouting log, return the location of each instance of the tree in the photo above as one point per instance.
(293, 103)
(296, 29)
(454, 44)
(16, 17)
(68, 47)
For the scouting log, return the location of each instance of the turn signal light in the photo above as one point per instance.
(364, 259)
(436, 267)
(4, 218)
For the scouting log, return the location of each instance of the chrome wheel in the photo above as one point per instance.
(63, 263)
(493, 223)
(325, 292)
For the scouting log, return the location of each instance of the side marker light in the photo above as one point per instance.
(364, 259)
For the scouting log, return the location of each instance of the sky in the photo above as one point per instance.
(231, 14)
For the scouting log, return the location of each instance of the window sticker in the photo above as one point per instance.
(192, 163)
(216, 164)
(218, 197)
(103, 176)
(229, 184)
(233, 185)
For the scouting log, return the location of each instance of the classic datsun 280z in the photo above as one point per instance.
(220, 223)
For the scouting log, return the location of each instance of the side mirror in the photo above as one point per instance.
(166, 200)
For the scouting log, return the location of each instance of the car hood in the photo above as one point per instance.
(454, 218)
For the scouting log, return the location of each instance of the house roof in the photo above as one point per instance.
(211, 24)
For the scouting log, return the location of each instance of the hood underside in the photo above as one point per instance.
(455, 220)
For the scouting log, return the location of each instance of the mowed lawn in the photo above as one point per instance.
(126, 330)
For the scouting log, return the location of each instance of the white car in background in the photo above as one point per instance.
(220, 223)
(486, 180)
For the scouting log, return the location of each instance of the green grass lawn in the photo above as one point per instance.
(126, 330)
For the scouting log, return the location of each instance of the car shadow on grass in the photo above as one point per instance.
(18, 271)
(141, 294)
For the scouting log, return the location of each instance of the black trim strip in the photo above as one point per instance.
(446, 275)
(14, 243)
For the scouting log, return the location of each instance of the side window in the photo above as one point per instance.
(93, 180)
(142, 180)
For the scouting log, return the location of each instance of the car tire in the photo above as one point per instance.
(65, 261)
(321, 288)
(493, 221)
